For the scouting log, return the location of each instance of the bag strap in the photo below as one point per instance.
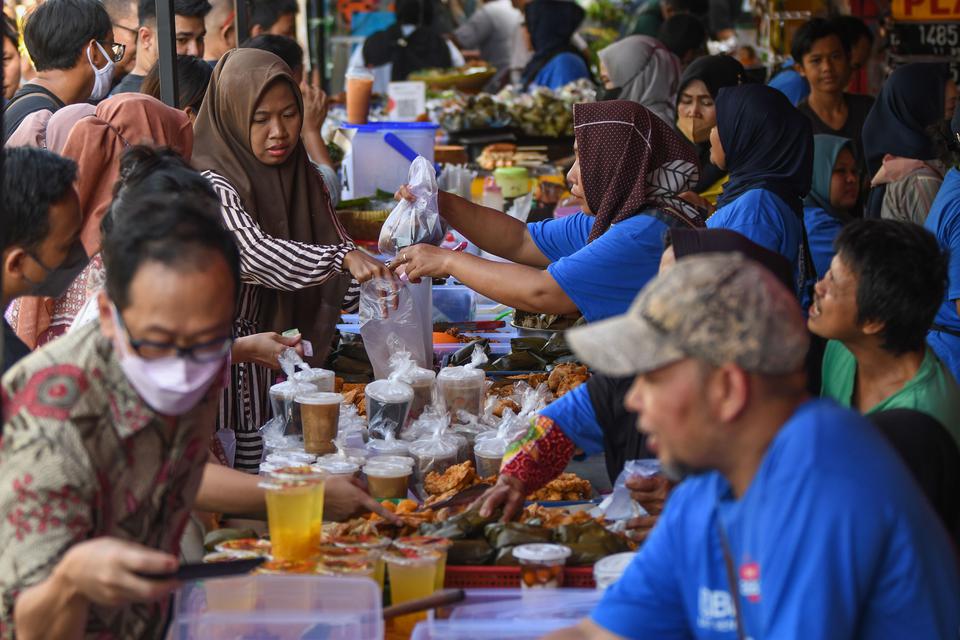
(732, 579)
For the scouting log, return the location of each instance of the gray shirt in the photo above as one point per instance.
(491, 29)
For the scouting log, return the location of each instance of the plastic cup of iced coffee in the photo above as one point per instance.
(359, 90)
(320, 417)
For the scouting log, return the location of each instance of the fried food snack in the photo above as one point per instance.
(565, 487)
(453, 480)
(567, 377)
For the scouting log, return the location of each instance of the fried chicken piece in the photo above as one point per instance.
(566, 486)
(456, 478)
(566, 377)
(503, 404)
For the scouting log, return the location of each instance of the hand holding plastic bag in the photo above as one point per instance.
(619, 505)
(416, 222)
(390, 321)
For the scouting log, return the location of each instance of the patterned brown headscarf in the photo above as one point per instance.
(289, 201)
(631, 161)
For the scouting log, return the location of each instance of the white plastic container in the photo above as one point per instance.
(608, 570)
(289, 606)
(541, 565)
(371, 163)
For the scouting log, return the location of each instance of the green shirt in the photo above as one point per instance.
(932, 391)
(647, 20)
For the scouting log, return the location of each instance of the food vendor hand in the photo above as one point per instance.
(345, 498)
(508, 493)
(315, 105)
(651, 493)
(698, 201)
(423, 261)
(104, 571)
(264, 349)
(363, 267)
(639, 528)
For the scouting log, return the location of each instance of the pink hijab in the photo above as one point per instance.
(48, 130)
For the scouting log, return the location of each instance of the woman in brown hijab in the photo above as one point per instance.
(296, 258)
(96, 142)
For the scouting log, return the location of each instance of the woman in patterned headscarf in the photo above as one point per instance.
(630, 168)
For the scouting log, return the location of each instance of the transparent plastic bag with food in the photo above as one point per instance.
(415, 222)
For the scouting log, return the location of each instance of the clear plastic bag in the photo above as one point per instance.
(391, 321)
(462, 388)
(415, 222)
(423, 381)
(388, 406)
(619, 505)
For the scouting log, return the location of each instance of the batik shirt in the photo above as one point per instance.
(82, 456)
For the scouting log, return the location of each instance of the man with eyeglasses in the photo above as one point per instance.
(126, 26)
(106, 434)
(190, 31)
(72, 47)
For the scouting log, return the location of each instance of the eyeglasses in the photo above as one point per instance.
(117, 50)
(211, 351)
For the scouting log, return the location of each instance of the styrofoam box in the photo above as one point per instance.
(279, 607)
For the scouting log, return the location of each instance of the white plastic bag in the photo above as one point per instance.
(414, 222)
(390, 322)
(619, 505)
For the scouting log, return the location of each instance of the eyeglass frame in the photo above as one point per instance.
(117, 57)
(183, 352)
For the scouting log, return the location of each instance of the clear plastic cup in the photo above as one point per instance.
(350, 567)
(461, 389)
(388, 481)
(372, 544)
(434, 454)
(290, 458)
(388, 406)
(423, 544)
(412, 576)
(401, 460)
(244, 548)
(488, 455)
(422, 385)
(359, 89)
(294, 497)
(609, 569)
(332, 468)
(281, 400)
(390, 447)
(323, 380)
(330, 553)
(541, 565)
(320, 419)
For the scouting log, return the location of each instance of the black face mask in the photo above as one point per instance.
(609, 94)
(61, 277)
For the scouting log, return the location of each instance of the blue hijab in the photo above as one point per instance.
(910, 102)
(826, 148)
(768, 144)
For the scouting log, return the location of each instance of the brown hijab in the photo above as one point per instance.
(632, 162)
(97, 143)
(289, 201)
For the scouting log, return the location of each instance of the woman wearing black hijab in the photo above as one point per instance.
(697, 113)
(408, 51)
(555, 62)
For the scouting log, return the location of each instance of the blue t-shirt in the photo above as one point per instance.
(575, 415)
(604, 276)
(944, 222)
(825, 546)
(563, 69)
(791, 84)
(822, 230)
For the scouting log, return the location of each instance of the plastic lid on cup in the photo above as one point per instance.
(359, 72)
(423, 542)
(382, 470)
(312, 375)
(462, 374)
(319, 398)
(337, 467)
(389, 391)
(288, 389)
(412, 556)
(490, 448)
(612, 567)
(540, 552)
(291, 458)
(399, 460)
(391, 447)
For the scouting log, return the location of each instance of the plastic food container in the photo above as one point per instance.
(513, 181)
(461, 389)
(541, 565)
(322, 379)
(388, 447)
(290, 458)
(608, 570)
(488, 455)
(344, 467)
(372, 164)
(454, 303)
(319, 419)
(387, 480)
(282, 395)
(282, 606)
(433, 455)
(399, 460)
(388, 406)
(422, 384)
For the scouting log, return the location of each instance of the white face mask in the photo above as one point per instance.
(103, 77)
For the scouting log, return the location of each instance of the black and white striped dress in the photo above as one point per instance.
(271, 263)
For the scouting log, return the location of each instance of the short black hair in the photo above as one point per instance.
(287, 49)
(683, 33)
(166, 228)
(852, 29)
(266, 12)
(811, 31)
(193, 78)
(56, 31)
(121, 9)
(695, 7)
(33, 181)
(902, 274)
(10, 30)
(147, 13)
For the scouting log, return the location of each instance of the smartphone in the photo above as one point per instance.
(208, 570)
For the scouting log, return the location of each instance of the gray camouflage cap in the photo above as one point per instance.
(719, 308)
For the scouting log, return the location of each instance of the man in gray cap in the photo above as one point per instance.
(777, 531)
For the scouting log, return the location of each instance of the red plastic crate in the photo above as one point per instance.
(468, 577)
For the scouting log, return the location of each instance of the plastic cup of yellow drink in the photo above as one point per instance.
(428, 543)
(373, 544)
(333, 555)
(412, 576)
(294, 512)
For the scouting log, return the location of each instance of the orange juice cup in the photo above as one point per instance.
(412, 576)
(423, 544)
(294, 497)
(359, 90)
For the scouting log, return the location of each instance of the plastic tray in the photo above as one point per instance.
(467, 577)
(527, 604)
(484, 630)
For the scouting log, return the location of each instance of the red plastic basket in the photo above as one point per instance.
(467, 577)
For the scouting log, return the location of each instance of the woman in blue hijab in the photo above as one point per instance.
(766, 146)
(555, 62)
(833, 195)
(899, 141)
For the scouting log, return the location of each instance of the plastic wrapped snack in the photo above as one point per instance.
(415, 222)
(462, 388)
(433, 454)
(323, 379)
(388, 405)
(422, 381)
(388, 446)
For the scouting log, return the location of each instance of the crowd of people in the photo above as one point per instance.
(769, 275)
